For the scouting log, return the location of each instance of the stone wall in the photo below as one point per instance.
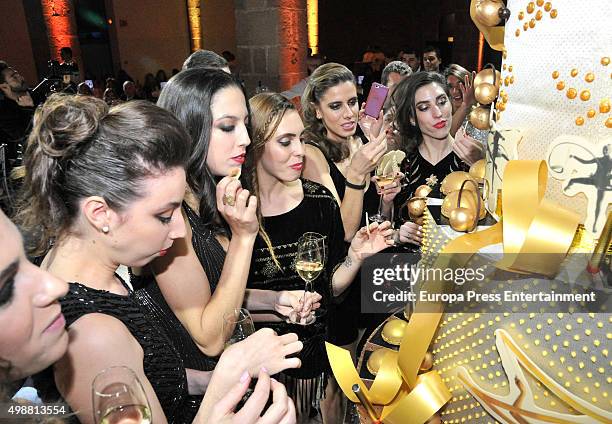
(272, 41)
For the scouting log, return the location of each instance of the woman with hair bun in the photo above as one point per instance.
(104, 187)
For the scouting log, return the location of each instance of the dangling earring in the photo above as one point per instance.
(105, 229)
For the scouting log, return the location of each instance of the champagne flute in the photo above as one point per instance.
(310, 260)
(118, 398)
(237, 326)
(382, 181)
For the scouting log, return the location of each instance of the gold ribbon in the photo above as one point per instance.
(531, 226)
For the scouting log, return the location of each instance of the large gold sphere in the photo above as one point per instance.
(478, 169)
(376, 359)
(393, 331)
(479, 117)
(485, 93)
(454, 180)
(422, 191)
(462, 219)
(468, 201)
(416, 206)
(487, 12)
(486, 75)
(419, 220)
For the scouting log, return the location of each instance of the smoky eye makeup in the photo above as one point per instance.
(7, 283)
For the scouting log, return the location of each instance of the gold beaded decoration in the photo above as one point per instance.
(540, 3)
(532, 23)
(517, 32)
(579, 121)
(538, 15)
(585, 95)
(525, 26)
(591, 113)
(553, 13)
(571, 93)
(589, 77)
(530, 7)
(555, 74)
(604, 106)
(609, 122)
(605, 61)
(574, 72)
(560, 86)
(547, 6)
(521, 15)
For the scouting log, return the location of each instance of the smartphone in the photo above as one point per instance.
(376, 99)
(161, 84)
(89, 83)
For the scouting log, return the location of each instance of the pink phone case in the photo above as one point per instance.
(376, 99)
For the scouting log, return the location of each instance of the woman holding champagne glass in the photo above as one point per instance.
(285, 256)
(102, 188)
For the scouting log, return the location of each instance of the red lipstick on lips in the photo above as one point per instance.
(163, 252)
(440, 124)
(297, 166)
(239, 159)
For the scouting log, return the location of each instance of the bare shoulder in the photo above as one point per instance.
(101, 333)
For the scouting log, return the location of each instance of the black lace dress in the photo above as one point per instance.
(211, 255)
(317, 212)
(162, 364)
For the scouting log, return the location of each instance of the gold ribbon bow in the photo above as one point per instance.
(531, 226)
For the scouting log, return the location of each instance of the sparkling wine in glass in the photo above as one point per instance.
(118, 398)
(382, 181)
(310, 259)
(237, 326)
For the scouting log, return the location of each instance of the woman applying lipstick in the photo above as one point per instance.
(424, 118)
(289, 207)
(102, 188)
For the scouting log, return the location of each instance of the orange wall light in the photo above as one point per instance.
(312, 9)
(195, 26)
(61, 29)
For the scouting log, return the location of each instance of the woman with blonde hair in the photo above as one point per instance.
(289, 207)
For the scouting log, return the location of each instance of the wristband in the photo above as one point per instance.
(355, 186)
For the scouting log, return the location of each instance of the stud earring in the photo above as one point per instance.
(105, 229)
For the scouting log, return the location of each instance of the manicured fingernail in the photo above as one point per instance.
(244, 377)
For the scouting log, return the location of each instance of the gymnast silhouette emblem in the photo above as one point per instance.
(584, 171)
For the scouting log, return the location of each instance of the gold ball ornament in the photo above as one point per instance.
(580, 121)
(419, 220)
(479, 117)
(461, 219)
(589, 77)
(560, 85)
(376, 359)
(574, 72)
(486, 75)
(416, 207)
(609, 122)
(422, 191)
(585, 95)
(530, 7)
(604, 106)
(540, 3)
(532, 23)
(554, 13)
(571, 93)
(468, 201)
(485, 93)
(591, 113)
(547, 6)
(477, 170)
(605, 61)
(487, 12)
(454, 180)
(393, 331)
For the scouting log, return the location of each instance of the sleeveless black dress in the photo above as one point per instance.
(211, 255)
(162, 364)
(317, 212)
(344, 327)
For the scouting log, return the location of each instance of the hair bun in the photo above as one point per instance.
(66, 123)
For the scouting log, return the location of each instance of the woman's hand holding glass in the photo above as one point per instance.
(411, 232)
(372, 239)
(237, 207)
(297, 306)
(118, 397)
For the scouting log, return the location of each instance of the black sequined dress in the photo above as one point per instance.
(211, 255)
(162, 363)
